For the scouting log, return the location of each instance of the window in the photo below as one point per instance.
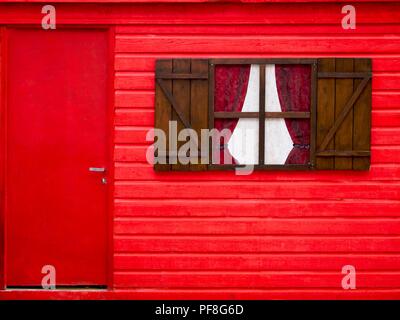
(267, 107)
(273, 113)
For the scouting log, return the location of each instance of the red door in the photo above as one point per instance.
(56, 146)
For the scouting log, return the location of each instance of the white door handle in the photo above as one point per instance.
(97, 169)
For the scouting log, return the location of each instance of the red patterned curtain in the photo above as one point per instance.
(294, 89)
(230, 91)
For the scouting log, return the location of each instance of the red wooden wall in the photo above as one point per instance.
(270, 234)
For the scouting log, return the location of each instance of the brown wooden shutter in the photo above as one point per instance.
(181, 95)
(343, 130)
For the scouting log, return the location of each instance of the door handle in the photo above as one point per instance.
(97, 169)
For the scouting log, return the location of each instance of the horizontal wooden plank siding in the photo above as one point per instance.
(257, 208)
(255, 226)
(254, 261)
(269, 230)
(255, 280)
(248, 243)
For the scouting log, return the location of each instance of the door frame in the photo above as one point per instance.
(4, 32)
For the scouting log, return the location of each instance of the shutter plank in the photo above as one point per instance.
(362, 117)
(163, 108)
(325, 111)
(344, 136)
(181, 93)
(199, 104)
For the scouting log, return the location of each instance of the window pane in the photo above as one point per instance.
(293, 88)
(287, 141)
(237, 88)
(238, 143)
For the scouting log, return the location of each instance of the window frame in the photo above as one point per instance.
(261, 115)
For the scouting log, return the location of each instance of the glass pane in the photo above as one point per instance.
(237, 142)
(288, 87)
(287, 141)
(237, 88)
